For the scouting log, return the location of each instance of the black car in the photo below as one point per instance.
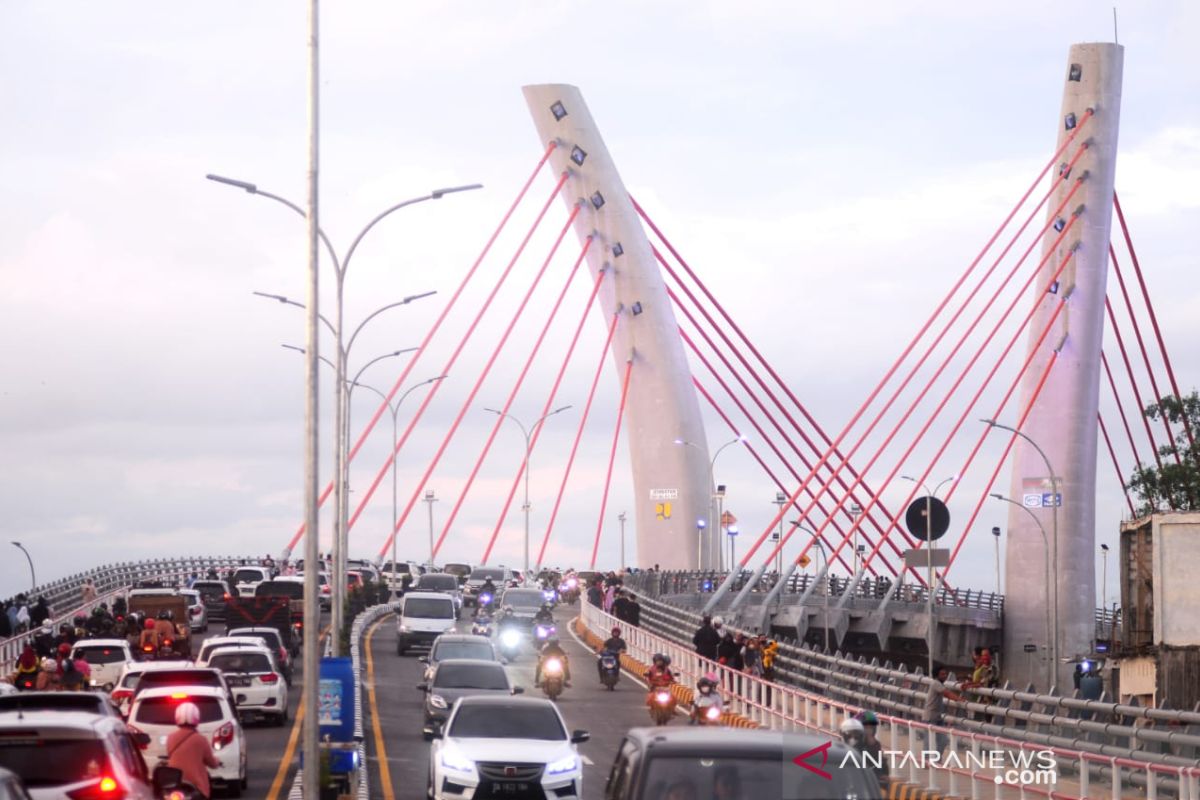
(461, 677)
(653, 763)
(214, 594)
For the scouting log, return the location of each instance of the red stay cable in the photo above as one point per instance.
(462, 412)
(487, 446)
(1162, 347)
(1137, 332)
(545, 409)
(979, 317)
(612, 456)
(362, 437)
(778, 483)
(1003, 457)
(1120, 407)
(587, 410)
(1137, 395)
(763, 435)
(1116, 465)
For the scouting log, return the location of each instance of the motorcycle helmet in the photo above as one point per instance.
(64, 650)
(187, 714)
(867, 718)
(49, 665)
(660, 660)
(616, 632)
(852, 731)
(165, 614)
(149, 625)
(79, 620)
(711, 677)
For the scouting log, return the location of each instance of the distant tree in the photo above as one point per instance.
(1175, 486)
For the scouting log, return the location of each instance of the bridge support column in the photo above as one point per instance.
(671, 482)
(1063, 420)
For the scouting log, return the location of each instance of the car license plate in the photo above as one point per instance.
(239, 681)
(509, 787)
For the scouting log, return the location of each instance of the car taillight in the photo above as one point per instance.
(106, 788)
(226, 596)
(270, 677)
(122, 694)
(223, 737)
(146, 648)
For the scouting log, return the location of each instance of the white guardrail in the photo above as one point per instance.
(966, 764)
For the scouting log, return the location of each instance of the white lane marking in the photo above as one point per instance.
(588, 761)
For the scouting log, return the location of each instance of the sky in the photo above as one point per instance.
(828, 169)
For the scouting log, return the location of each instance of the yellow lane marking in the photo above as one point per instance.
(289, 752)
(385, 772)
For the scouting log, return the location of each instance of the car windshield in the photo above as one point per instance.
(51, 762)
(178, 677)
(507, 722)
(247, 575)
(211, 591)
(53, 701)
(161, 710)
(478, 650)
(437, 583)
(293, 590)
(470, 676)
(457, 570)
(100, 655)
(692, 777)
(240, 662)
(429, 608)
(481, 574)
(270, 637)
(524, 598)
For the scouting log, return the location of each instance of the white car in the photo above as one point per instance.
(197, 613)
(107, 659)
(256, 683)
(217, 642)
(122, 691)
(67, 754)
(505, 746)
(153, 714)
(246, 579)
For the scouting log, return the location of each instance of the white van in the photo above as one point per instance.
(423, 616)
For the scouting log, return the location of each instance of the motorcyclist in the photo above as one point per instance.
(165, 625)
(552, 649)
(872, 746)
(149, 637)
(189, 751)
(852, 733)
(544, 616)
(71, 676)
(47, 677)
(706, 687)
(659, 676)
(45, 642)
(489, 589)
(27, 669)
(614, 645)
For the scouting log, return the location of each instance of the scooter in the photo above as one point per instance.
(481, 627)
(541, 633)
(706, 708)
(662, 705)
(552, 677)
(169, 783)
(485, 600)
(610, 670)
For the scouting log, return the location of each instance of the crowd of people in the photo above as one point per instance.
(609, 594)
(753, 654)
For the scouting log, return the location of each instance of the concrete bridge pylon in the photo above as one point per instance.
(1063, 420)
(671, 482)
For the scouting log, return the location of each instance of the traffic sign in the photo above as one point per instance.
(728, 519)
(933, 528)
(662, 510)
(1042, 500)
(804, 561)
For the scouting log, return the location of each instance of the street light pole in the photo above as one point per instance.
(1051, 633)
(781, 500)
(621, 519)
(430, 499)
(1104, 578)
(341, 445)
(1056, 498)
(929, 581)
(32, 577)
(996, 536)
(700, 525)
(712, 487)
(528, 434)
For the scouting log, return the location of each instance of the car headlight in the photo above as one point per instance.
(568, 764)
(453, 759)
(510, 638)
(403, 629)
(437, 701)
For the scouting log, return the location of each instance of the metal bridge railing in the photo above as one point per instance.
(1166, 737)
(971, 772)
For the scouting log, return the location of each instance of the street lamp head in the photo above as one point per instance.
(701, 523)
(412, 297)
(996, 531)
(18, 544)
(1104, 547)
(990, 422)
(680, 441)
(436, 194)
(494, 411)
(780, 497)
(998, 496)
(249, 187)
(558, 410)
(270, 296)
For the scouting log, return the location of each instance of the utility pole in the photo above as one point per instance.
(621, 519)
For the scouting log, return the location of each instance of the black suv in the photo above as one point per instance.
(655, 763)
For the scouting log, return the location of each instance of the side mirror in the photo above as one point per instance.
(424, 687)
(436, 731)
(578, 737)
(142, 740)
(166, 778)
(518, 690)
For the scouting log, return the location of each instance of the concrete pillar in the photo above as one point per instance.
(1063, 421)
(662, 404)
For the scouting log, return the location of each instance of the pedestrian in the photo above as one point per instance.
(706, 639)
(88, 591)
(729, 652)
(752, 658)
(13, 608)
(634, 610)
(620, 607)
(595, 594)
(40, 612)
(935, 704)
(610, 595)
(5, 625)
(22, 618)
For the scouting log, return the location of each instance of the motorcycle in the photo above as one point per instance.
(552, 678)
(542, 632)
(706, 708)
(510, 641)
(481, 627)
(169, 783)
(485, 600)
(610, 670)
(662, 705)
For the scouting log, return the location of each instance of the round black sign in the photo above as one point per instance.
(936, 525)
